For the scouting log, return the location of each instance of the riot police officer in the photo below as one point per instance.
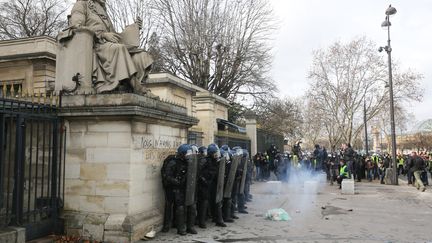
(169, 195)
(230, 173)
(241, 198)
(191, 187)
(205, 177)
(217, 166)
(174, 176)
(249, 173)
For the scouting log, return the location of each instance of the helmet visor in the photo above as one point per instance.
(217, 155)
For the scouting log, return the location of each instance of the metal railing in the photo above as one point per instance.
(32, 153)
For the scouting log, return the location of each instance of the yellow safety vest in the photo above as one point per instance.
(342, 171)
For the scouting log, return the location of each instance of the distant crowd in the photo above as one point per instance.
(345, 163)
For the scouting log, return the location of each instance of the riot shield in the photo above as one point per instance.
(244, 164)
(191, 179)
(231, 176)
(220, 180)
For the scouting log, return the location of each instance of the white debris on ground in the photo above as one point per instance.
(278, 214)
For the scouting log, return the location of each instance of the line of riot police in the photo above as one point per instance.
(205, 182)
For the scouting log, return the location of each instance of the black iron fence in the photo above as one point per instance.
(32, 140)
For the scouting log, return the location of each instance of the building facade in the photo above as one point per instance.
(28, 65)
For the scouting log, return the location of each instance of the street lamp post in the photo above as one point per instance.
(365, 128)
(391, 11)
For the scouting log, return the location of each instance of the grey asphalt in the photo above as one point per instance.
(376, 213)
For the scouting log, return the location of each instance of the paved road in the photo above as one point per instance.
(378, 213)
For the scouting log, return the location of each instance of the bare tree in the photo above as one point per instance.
(123, 13)
(27, 18)
(281, 116)
(344, 76)
(311, 129)
(220, 45)
(402, 118)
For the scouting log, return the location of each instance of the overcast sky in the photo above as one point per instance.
(306, 25)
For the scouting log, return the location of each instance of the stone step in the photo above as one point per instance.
(12, 235)
(48, 239)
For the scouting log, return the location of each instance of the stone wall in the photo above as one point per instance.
(200, 103)
(29, 62)
(173, 89)
(113, 183)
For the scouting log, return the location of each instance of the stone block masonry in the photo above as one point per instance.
(116, 145)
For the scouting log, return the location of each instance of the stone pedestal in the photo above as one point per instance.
(348, 187)
(116, 144)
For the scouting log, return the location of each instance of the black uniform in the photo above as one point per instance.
(174, 181)
(206, 175)
(216, 207)
(241, 197)
(169, 196)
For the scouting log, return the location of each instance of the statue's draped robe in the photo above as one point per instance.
(112, 61)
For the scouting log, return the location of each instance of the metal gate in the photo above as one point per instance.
(232, 142)
(32, 141)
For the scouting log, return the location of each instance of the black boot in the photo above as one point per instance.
(190, 223)
(218, 214)
(167, 216)
(241, 204)
(233, 216)
(180, 220)
(226, 210)
(202, 214)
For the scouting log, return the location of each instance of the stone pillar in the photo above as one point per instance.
(251, 131)
(205, 111)
(116, 144)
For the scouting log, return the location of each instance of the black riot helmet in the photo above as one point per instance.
(183, 151)
(213, 151)
(203, 151)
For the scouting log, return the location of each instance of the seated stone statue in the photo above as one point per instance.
(114, 61)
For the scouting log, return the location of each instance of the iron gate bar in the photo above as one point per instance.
(8, 216)
(43, 160)
(2, 157)
(54, 198)
(18, 191)
(60, 159)
(49, 157)
(37, 168)
(64, 158)
(30, 167)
